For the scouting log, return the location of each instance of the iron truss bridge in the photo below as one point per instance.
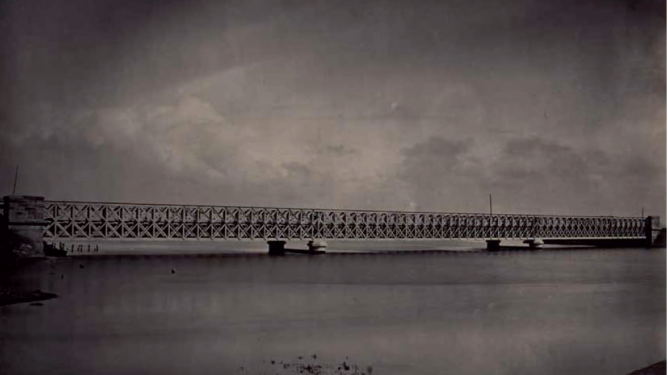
(82, 220)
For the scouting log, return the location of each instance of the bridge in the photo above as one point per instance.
(63, 220)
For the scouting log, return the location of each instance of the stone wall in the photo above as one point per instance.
(22, 226)
(653, 231)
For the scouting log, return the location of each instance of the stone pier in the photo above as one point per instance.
(493, 245)
(276, 247)
(317, 246)
(535, 243)
(22, 226)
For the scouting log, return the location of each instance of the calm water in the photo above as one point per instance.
(548, 312)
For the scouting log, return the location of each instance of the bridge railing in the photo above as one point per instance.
(147, 221)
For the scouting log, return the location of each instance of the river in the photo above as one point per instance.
(600, 311)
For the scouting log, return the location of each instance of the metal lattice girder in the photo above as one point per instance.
(140, 221)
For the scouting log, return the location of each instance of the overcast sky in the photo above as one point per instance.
(552, 106)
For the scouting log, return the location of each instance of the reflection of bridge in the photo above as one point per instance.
(100, 221)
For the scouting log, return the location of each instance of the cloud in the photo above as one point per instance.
(550, 107)
(534, 158)
(553, 177)
(442, 174)
(187, 151)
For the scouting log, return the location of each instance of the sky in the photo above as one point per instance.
(551, 106)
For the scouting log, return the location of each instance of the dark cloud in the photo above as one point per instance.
(531, 174)
(441, 174)
(436, 152)
(553, 177)
(534, 158)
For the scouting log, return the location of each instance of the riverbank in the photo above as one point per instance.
(10, 296)
(13, 291)
(658, 368)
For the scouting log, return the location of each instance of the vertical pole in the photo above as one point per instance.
(642, 212)
(16, 177)
(490, 205)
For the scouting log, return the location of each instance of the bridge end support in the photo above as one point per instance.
(493, 245)
(653, 232)
(276, 247)
(22, 226)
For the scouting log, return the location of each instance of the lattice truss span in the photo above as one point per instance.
(135, 221)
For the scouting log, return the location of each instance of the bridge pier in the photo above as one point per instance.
(317, 246)
(22, 226)
(493, 245)
(276, 247)
(536, 243)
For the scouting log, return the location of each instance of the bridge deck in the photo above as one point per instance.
(144, 221)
